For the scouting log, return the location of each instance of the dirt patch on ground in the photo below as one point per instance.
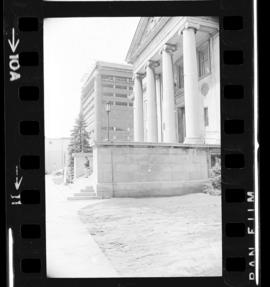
(169, 236)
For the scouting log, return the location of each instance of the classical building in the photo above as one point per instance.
(112, 84)
(177, 80)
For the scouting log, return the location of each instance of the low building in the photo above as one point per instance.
(177, 80)
(112, 84)
(56, 154)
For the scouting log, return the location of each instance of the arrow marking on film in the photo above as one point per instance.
(13, 44)
(17, 183)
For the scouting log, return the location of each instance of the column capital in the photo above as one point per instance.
(190, 25)
(169, 48)
(152, 64)
(138, 76)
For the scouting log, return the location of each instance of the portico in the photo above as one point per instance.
(175, 102)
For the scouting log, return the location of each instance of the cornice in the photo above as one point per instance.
(137, 36)
(137, 46)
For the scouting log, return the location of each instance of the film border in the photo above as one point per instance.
(23, 46)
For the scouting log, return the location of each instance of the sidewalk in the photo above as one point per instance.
(71, 251)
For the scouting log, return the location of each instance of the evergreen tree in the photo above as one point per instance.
(79, 142)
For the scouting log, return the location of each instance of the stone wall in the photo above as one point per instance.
(142, 169)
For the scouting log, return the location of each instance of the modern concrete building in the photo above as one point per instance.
(177, 80)
(108, 83)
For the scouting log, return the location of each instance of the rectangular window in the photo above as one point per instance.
(121, 95)
(107, 85)
(88, 115)
(106, 78)
(87, 111)
(90, 85)
(121, 87)
(89, 120)
(130, 104)
(119, 129)
(121, 103)
(108, 94)
(87, 103)
(121, 79)
(87, 95)
(206, 119)
(106, 128)
(204, 60)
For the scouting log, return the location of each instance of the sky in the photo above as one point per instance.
(71, 46)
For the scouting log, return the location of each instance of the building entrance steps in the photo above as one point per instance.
(87, 197)
(88, 189)
(86, 193)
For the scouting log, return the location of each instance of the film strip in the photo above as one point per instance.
(24, 135)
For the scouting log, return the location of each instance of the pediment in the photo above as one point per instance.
(146, 30)
(152, 22)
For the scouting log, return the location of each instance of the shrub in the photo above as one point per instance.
(215, 176)
(213, 187)
(69, 175)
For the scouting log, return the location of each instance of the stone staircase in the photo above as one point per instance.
(86, 193)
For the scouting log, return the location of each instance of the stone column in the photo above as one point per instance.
(215, 114)
(159, 115)
(168, 117)
(138, 108)
(193, 98)
(151, 113)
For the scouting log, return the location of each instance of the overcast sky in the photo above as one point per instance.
(71, 45)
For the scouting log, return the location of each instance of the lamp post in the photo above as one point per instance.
(108, 110)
